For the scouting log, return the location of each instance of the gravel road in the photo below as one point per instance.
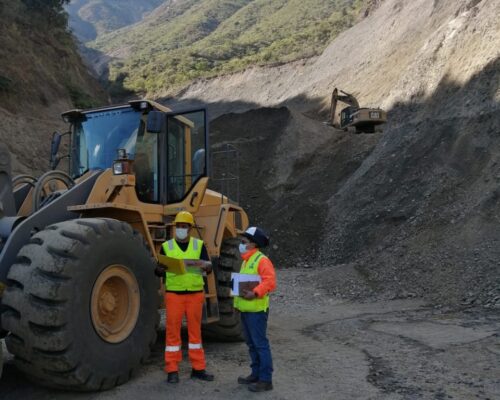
(327, 348)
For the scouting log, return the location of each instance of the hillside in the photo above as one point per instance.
(90, 18)
(183, 40)
(410, 212)
(41, 75)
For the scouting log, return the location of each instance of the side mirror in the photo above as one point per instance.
(156, 121)
(54, 149)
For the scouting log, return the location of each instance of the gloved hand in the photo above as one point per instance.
(249, 294)
(207, 267)
(160, 270)
(202, 264)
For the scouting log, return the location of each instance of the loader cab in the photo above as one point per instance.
(169, 157)
(183, 145)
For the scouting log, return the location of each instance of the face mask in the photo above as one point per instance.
(181, 233)
(242, 248)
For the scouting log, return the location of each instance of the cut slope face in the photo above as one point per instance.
(419, 215)
(403, 49)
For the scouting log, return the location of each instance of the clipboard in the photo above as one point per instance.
(244, 282)
(172, 265)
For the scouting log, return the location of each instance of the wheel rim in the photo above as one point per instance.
(115, 303)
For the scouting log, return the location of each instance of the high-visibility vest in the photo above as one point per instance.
(192, 280)
(251, 267)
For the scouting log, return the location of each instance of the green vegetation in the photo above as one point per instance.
(79, 97)
(201, 38)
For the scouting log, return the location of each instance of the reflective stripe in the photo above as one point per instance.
(195, 244)
(170, 244)
(194, 346)
(172, 348)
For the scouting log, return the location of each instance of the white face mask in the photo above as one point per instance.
(242, 248)
(181, 233)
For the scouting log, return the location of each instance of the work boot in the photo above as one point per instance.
(260, 386)
(247, 380)
(173, 377)
(201, 375)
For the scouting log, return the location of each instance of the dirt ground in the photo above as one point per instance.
(327, 348)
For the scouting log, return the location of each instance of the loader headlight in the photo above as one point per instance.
(118, 168)
(121, 167)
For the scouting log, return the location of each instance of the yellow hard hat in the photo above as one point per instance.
(184, 217)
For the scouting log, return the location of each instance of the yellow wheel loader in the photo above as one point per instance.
(78, 248)
(346, 114)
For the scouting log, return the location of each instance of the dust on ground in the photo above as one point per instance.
(327, 348)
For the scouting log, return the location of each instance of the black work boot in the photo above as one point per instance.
(245, 380)
(260, 386)
(201, 375)
(173, 377)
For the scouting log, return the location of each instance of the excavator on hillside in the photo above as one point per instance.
(78, 248)
(346, 114)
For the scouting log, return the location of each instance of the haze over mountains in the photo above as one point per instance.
(90, 18)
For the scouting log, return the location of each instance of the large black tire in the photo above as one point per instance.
(228, 328)
(48, 305)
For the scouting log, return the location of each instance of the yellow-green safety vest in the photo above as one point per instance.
(251, 267)
(192, 280)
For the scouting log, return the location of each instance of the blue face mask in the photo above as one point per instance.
(242, 248)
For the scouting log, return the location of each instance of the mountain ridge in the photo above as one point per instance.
(184, 39)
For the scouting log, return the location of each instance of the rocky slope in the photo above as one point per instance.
(41, 75)
(415, 212)
(402, 50)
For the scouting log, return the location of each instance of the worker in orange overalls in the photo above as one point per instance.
(184, 296)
